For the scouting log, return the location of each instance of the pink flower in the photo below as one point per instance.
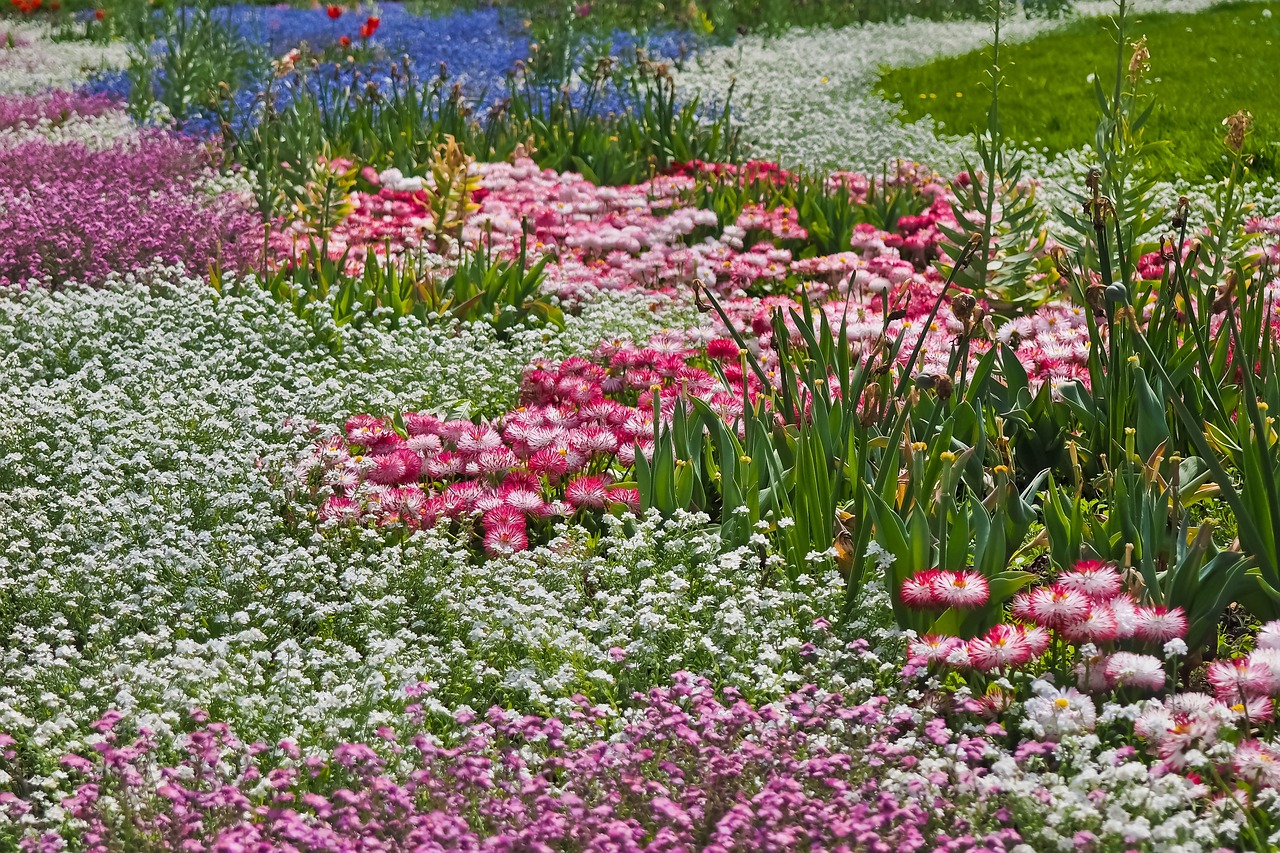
(339, 509)
(1258, 763)
(504, 532)
(1093, 578)
(961, 590)
(933, 647)
(1126, 669)
(590, 492)
(1052, 607)
(723, 349)
(918, 591)
(1269, 635)
(1000, 648)
(1240, 679)
(1098, 626)
(1160, 624)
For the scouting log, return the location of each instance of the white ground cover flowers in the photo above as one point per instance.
(780, 84)
(31, 61)
(148, 561)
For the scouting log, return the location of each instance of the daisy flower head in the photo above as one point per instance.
(1055, 606)
(1239, 679)
(1094, 578)
(1099, 625)
(962, 590)
(1160, 624)
(587, 492)
(1002, 647)
(1258, 762)
(504, 532)
(1257, 709)
(1127, 669)
(1060, 712)
(933, 647)
(918, 590)
(1036, 638)
(1269, 635)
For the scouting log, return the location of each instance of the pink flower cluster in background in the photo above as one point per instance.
(69, 211)
(54, 107)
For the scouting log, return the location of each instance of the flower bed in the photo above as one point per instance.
(396, 491)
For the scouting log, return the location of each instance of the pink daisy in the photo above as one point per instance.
(1096, 580)
(933, 647)
(960, 589)
(1056, 606)
(1258, 763)
(1269, 635)
(918, 590)
(1126, 669)
(1099, 625)
(1000, 648)
(587, 492)
(1239, 679)
(1160, 624)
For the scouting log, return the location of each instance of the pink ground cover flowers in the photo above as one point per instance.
(72, 212)
(690, 770)
(51, 107)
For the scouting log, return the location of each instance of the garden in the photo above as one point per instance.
(733, 425)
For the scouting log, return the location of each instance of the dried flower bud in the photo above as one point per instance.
(1140, 61)
(1095, 295)
(870, 403)
(962, 305)
(943, 387)
(1237, 125)
(1180, 213)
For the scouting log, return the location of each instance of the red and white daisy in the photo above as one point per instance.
(918, 590)
(1095, 579)
(1160, 624)
(933, 647)
(1127, 669)
(1239, 679)
(1099, 625)
(961, 590)
(1257, 762)
(589, 492)
(1055, 606)
(1002, 647)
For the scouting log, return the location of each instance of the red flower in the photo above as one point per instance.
(335, 11)
(370, 27)
(98, 14)
(345, 41)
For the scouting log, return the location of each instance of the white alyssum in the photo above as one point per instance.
(151, 562)
(37, 62)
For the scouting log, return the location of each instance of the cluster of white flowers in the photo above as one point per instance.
(99, 131)
(780, 84)
(32, 61)
(150, 561)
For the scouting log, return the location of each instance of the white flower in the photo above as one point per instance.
(1056, 712)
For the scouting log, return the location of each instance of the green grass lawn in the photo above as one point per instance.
(1204, 66)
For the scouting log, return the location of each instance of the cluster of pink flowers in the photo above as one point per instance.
(648, 235)
(653, 236)
(939, 589)
(1183, 729)
(690, 771)
(53, 107)
(1086, 606)
(69, 211)
(1001, 648)
(559, 454)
